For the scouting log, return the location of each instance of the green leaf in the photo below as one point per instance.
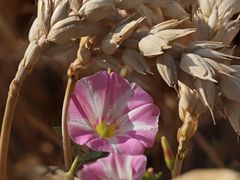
(91, 156)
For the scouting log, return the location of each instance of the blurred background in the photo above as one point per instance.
(34, 145)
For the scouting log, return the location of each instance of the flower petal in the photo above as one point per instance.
(139, 166)
(120, 92)
(80, 135)
(115, 166)
(140, 123)
(79, 128)
(91, 93)
(136, 97)
(127, 145)
(119, 145)
(93, 171)
(139, 98)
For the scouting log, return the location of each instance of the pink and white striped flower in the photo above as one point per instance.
(115, 166)
(107, 113)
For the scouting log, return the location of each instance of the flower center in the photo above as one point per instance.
(105, 130)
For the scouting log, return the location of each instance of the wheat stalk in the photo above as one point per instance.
(73, 74)
(31, 58)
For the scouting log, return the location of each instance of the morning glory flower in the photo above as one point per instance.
(115, 166)
(107, 113)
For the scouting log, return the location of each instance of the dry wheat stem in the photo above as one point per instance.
(27, 64)
(179, 160)
(73, 76)
(66, 141)
(13, 94)
(177, 166)
(184, 134)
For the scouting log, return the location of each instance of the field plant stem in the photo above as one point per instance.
(27, 64)
(177, 165)
(67, 148)
(70, 174)
(12, 99)
(7, 122)
(73, 76)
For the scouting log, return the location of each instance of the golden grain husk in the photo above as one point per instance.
(133, 58)
(61, 12)
(118, 35)
(167, 69)
(195, 66)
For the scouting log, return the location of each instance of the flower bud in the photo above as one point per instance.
(168, 153)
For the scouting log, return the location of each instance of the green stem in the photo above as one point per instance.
(71, 172)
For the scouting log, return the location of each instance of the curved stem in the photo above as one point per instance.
(7, 126)
(12, 99)
(73, 76)
(70, 174)
(67, 147)
(27, 64)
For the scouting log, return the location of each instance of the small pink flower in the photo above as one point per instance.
(107, 113)
(121, 167)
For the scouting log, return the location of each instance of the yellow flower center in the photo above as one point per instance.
(105, 130)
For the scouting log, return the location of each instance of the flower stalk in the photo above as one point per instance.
(70, 173)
